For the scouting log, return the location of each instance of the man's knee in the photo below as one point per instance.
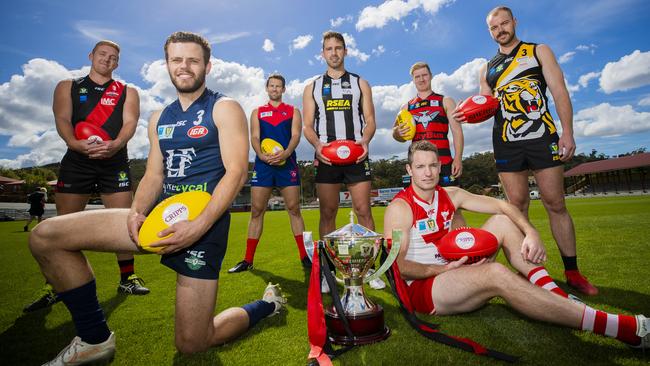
(40, 239)
(498, 275)
(257, 210)
(502, 221)
(188, 343)
(293, 210)
(554, 205)
(328, 212)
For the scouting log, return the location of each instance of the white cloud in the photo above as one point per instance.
(645, 101)
(96, 31)
(394, 10)
(608, 120)
(340, 20)
(629, 72)
(462, 83)
(301, 42)
(591, 48)
(353, 51)
(227, 37)
(379, 50)
(584, 79)
(566, 57)
(268, 45)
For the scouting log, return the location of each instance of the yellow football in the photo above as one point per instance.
(182, 206)
(270, 146)
(405, 118)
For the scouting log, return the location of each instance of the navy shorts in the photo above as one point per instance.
(347, 174)
(202, 259)
(81, 175)
(535, 154)
(265, 175)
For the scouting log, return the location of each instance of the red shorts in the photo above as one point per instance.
(419, 292)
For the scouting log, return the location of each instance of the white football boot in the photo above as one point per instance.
(273, 294)
(79, 352)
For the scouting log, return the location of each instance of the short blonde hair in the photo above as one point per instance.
(419, 65)
(421, 145)
(106, 42)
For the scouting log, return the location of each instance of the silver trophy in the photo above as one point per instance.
(353, 250)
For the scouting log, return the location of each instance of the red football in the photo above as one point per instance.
(342, 152)
(88, 131)
(474, 243)
(478, 108)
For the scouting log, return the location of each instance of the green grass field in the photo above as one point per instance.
(613, 243)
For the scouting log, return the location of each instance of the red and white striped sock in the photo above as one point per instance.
(539, 277)
(621, 327)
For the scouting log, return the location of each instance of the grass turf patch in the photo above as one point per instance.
(612, 238)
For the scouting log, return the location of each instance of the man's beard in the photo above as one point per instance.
(198, 83)
(507, 40)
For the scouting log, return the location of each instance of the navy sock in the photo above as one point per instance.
(570, 263)
(87, 316)
(257, 311)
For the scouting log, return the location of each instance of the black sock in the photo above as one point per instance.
(570, 263)
(126, 268)
(87, 316)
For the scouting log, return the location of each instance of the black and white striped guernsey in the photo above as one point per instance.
(339, 113)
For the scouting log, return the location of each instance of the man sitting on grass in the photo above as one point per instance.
(438, 286)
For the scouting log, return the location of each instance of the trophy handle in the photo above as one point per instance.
(394, 250)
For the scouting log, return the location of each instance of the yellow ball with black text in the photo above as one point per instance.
(405, 118)
(270, 146)
(179, 207)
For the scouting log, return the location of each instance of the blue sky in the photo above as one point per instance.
(602, 45)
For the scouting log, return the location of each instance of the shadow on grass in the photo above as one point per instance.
(29, 342)
(630, 301)
(295, 291)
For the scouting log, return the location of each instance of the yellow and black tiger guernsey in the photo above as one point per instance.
(517, 80)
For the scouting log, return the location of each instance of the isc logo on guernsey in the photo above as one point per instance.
(197, 132)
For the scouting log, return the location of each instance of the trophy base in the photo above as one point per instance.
(366, 329)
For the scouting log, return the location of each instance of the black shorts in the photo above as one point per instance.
(36, 211)
(446, 179)
(343, 173)
(79, 174)
(519, 156)
(203, 258)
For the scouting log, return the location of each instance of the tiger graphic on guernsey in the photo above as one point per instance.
(524, 110)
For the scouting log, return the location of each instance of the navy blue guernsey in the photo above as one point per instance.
(189, 144)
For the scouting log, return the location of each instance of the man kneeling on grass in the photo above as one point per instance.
(218, 159)
(437, 286)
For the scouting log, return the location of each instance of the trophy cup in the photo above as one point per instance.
(353, 250)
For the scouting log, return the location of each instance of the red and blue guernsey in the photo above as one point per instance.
(275, 123)
(189, 143)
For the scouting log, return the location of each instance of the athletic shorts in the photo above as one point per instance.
(519, 156)
(354, 173)
(265, 175)
(79, 174)
(36, 211)
(419, 292)
(202, 259)
(446, 179)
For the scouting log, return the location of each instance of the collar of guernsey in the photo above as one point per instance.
(189, 144)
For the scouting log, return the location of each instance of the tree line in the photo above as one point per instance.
(479, 172)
